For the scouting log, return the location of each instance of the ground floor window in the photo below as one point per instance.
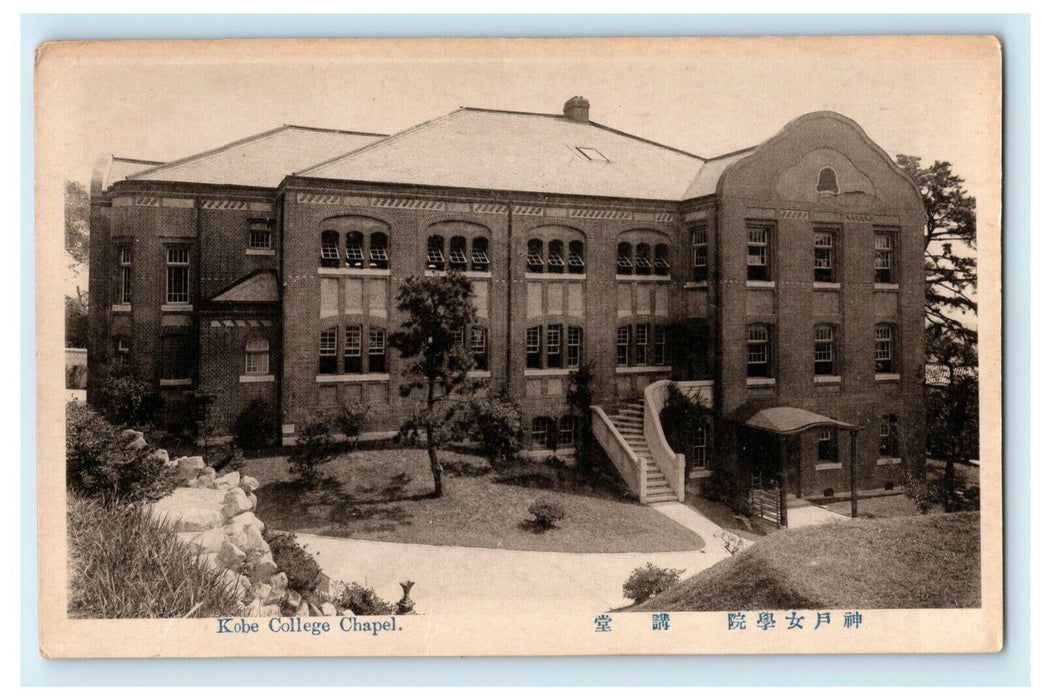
(122, 351)
(257, 356)
(889, 436)
(542, 432)
(827, 445)
(544, 346)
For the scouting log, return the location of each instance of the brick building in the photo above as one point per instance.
(783, 283)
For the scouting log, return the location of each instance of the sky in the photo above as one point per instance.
(934, 97)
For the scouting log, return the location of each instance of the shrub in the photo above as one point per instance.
(125, 400)
(579, 398)
(497, 424)
(253, 427)
(362, 601)
(682, 418)
(350, 419)
(99, 463)
(315, 446)
(730, 488)
(302, 572)
(76, 377)
(546, 513)
(649, 581)
(125, 565)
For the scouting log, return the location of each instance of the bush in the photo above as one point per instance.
(579, 398)
(362, 601)
(649, 581)
(730, 488)
(315, 446)
(497, 424)
(125, 565)
(302, 572)
(546, 513)
(99, 463)
(350, 419)
(253, 427)
(124, 400)
(76, 377)
(682, 418)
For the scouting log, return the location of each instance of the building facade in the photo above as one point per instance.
(789, 274)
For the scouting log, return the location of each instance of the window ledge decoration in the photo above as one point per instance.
(121, 308)
(354, 272)
(175, 382)
(643, 369)
(827, 466)
(695, 285)
(761, 381)
(479, 374)
(176, 308)
(578, 277)
(886, 377)
(347, 378)
(761, 284)
(828, 379)
(640, 278)
(888, 461)
(256, 378)
(261, 251)
(552, 372)
(470, 274)
(826, 285)
(886, 287)
(699, 474)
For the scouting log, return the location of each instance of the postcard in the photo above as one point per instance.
(519, 346)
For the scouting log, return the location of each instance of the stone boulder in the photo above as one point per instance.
(190, 510)
(249, 484)
(162, 456)
(205, 542)
(228, 481)
(190, 467)
(130, 434)
(137, 443)
(235, 502)
(328, 610)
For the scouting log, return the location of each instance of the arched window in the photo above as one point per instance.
(624, 264)
(642, 262)
(543, 432)
(480, 254)
(576, 257)
(661, 262)
(436, 257)
(825, 350)
(535, 255)
(556, 257)
(458, 253)
(329, 252)
(353, 250)
(884, 348)
(379, 251)
(827, 183)
(257, 356)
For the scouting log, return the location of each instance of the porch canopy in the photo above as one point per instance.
(787, 420)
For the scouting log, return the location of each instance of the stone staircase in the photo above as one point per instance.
(629, 420)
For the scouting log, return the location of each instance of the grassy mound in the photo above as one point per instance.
(124, 565)
(915, 562)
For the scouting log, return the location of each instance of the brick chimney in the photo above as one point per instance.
(576, 110)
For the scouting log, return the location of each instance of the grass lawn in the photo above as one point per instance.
(928, 561)
(724, 517)
(384, 495)
(891, 506)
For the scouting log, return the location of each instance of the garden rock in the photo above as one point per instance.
(249, 484)
(131, 434)
(235, 502)
(278, 583)
(190, 467)
(231, 555)
(293, 599)
(162, 456)
(328, 610)
(228, 481)
(302, 609)
(138, 443)
(190, 510)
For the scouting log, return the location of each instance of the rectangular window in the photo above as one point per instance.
(758, 252)
(352, 349)
(659, 345)
(824, 350)
(261, 234)
(123, 275)
(641, 344)
(884, 257)
(574, 341)
(823, 251)
(889, 436)
(533, 347)
(177, 359)
(435, 258)
(698, 238)
(540, 431)
(177, 275)
(758, 352)
(122, 352)
(328, 351)
(883, 349)
(623, 345)
(826, 445)
(376, 352)
(479, 260)
(478, 348)
(699, 446)
(554, 346)
(566, 430)
(256, 357)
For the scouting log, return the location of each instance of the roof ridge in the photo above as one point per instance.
(645, 140)
(137, 160)
(202, 155)
(733, 153)
(333, 131)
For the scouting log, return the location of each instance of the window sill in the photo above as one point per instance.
(643, 278)
(828, 466)
(888, 461)
(480, 374)
(175, 382)
(695, 285)
(553, 372)
(176, 308)
(261, 251)
(886, 287)
(343, 378)
(256, 378)
(121, 308)
(644, 369)
(761, 284)
(699, 473)
(761, 381)
(828, 379)
(470, 274)
(353, 272)
(826, 285)
(886, 377)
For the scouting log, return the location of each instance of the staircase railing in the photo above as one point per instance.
(632, 468)
(667, 461)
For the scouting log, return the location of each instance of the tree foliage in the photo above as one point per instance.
(76, 321)
(77, 221)
(579, 398)
(438, 312)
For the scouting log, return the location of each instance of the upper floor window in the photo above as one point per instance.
(458, 253)
(624, 263)
(480, 254)
(824, 263)
(827, 182)
(352, 349)
(641, 344)
(544, 346)
(623, 345)
(376, 353)
(436, 257)
(884, 348)
(261, 234)
(479, 350)
(759, 351)
(257, 356)
(122, 351)
(535, 255)
(889, 436)
(660, 262)
(576, 257)
(824, 350)
(353, 250)
(642, 263)
(884, 257)
(123, 275)
(533, 347)
(758, 241)
(698, 241)
(574, 344)
(826, 445)
(177, 275)
(379, 251)
(659, 345)
(555, 257)
(329, 249)
(554, 346)
(328, 351)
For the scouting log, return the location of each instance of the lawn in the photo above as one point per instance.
(928, 561)
(385, 495)
(724, 517)
(892, 506)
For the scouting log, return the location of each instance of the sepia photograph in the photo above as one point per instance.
(679, 345)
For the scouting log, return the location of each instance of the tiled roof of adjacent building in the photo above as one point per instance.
(262, 160)
(522, 152)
